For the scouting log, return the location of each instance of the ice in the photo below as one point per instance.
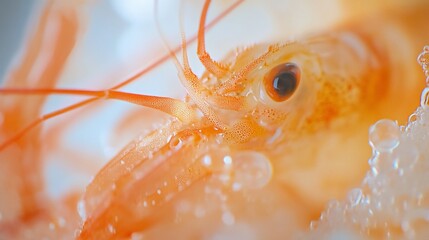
(393, 199)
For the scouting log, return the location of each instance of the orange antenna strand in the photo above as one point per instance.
(212, 66)
(236, 80)
(171, 106)
(41, 119)
(189, 80)
(131, 79)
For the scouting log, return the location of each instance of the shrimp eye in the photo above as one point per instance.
(282, 81)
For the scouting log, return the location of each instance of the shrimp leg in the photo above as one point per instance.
(161, 166)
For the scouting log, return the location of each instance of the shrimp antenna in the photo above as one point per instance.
(211, 65)
(174, 107)
(74, 106)
(189, 80)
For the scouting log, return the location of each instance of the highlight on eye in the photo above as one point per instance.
(282, 81)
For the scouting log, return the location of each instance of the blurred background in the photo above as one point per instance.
(14, 17)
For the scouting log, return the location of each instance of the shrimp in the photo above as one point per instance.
(282, 110)
(255, 143)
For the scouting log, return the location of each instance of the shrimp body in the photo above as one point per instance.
(294, 112)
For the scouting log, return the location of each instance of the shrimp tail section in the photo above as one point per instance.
(138, 188)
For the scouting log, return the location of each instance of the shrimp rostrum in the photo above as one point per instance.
(264, 137)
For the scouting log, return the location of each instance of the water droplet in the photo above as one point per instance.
(227, 160)
(314, 225)
(122, 162)
(199, 212)
(158, 191)
(61, 222)
(144, 204)
(153, 202)
(111, 228)
(51, 226)
(407, 158)
(236, 187)
(251, 169)
(81, 209)
(175, 143)
(355, 196)
(228, 218)
(423, 58)
(412, 118)
(424, 99)
(207, 160)
(384, 135)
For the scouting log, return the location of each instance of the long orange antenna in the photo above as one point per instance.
(171, 106)
(131, 79)
(212, 66)
(189, 80)
(41, 119)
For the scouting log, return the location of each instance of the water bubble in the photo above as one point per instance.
(51, 226)
(228, 218)
(355, 196)
(423, 58)
(424, 99)
(384, 135)
(407, 158)
(227, 160)
(251, 170)
(413, 117)
(207, 160)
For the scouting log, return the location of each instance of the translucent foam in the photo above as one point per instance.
(384, 135)
(252, 170)
(393, 200)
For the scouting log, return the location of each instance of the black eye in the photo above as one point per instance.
(282, 81)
